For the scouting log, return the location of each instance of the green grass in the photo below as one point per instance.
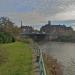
(16, 59)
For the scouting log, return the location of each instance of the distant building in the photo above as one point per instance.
(27, 29)
(48, 28)
(56, 30)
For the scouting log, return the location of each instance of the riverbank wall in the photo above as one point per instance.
(52, 65)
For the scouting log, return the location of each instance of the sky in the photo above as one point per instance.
(36, 13)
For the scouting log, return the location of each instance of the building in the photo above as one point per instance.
(27, 29)
(48, 28)
(56, 30)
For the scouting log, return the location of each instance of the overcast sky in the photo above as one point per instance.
(38, 12)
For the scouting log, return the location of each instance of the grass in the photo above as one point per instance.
(15, 59)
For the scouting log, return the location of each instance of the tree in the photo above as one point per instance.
(8, 26)
(5, 24)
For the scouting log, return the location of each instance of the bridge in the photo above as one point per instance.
(36, 36)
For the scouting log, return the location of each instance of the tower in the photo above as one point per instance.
(49, 22)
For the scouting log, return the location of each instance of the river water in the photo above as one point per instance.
(64, 53)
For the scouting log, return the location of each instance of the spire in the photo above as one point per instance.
(21, 23)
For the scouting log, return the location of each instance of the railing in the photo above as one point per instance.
(41, 63)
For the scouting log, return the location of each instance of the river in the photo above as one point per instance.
(64, 53)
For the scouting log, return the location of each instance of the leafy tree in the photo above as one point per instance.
(8, 26)
(5, 24)
(8, 30)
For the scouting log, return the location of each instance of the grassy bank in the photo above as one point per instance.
(15, 59)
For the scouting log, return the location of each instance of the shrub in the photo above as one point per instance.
(6, 38)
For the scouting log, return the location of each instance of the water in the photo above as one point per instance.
(64, 53)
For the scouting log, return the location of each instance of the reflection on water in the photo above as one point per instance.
(64, 52)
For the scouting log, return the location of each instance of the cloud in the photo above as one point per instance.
(53, 7)
(43, 7)
(37, 11)
(28, 18)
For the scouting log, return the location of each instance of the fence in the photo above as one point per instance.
(41, 63)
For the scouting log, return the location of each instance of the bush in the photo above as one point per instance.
(6, 38)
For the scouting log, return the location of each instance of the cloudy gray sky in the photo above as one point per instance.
(38, 12)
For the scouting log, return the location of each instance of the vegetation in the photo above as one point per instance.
(8, 31)
(6, 38)
(15, 59)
